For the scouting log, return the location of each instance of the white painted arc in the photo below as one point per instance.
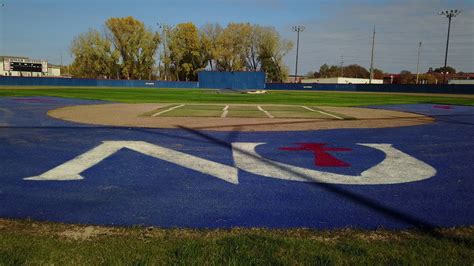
(167, 110)
(397, 167)
(71, 170)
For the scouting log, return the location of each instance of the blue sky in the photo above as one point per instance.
(45, 28)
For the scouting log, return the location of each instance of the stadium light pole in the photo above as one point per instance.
(164, 27)
(297, 29)
(449, 14)
(371, 77)
(418, 62)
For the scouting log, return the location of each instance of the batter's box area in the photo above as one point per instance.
(245, 111)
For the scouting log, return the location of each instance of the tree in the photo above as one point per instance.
(209, 35)
(427, 79)
(187, 53)
(232, 46)
(406, 77)
(448, 69)
(356, 71)
(350, 71)
(136, 44)
(378, 74)
(270, 50)
(93, 56)
(125, 50)
(324, 71)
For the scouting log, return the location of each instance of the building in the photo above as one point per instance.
(461, 81)
(18, 66)
(342, 80)
(295, 79)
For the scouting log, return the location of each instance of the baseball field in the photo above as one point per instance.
(192, 176)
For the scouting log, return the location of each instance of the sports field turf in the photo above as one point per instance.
(247, 111)
(29, 242)
(307, 98)
(26, 242)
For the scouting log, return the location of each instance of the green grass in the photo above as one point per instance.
(195, 111)
(142, 95)
(26, 242)
(343, 116)
(247, 111)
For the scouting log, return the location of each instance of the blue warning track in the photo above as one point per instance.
(144, 186)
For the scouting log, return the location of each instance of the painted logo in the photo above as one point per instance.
(397, 167)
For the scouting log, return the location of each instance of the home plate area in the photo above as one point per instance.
(401, 177)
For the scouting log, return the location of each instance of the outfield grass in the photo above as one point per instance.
(26, 242)
(308, 98)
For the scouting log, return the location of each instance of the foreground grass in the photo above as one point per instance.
(144, 95)
(26, 242)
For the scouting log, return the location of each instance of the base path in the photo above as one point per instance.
(131, 115)
(400, 177)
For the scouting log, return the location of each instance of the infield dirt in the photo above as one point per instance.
(129, 115)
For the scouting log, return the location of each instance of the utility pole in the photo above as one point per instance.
(342, 65)
(372, 59)
(449, 14)
(297, 29)
(164, 28)
(418, 62)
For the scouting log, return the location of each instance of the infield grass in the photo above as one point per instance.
(308, 98)
(34, 243)
(243, 111)
(196, 111)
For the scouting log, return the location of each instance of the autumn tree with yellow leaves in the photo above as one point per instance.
(128, 50)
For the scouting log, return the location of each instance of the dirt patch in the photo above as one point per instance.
(84, 233)
(129, 115)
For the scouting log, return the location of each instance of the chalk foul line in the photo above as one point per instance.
(167, 110)
(266, 112)
(322, 112)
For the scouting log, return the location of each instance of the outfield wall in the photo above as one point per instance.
(451, 89)
(73, 82)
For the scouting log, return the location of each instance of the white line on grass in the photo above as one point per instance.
(266, 112)
(167, 110)
(226, 111)
(322, 112)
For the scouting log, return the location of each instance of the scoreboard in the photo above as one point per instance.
(25, 65)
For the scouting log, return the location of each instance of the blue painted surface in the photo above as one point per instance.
(130, 188)
(450, 89)
(232, 80)
(33, 81)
